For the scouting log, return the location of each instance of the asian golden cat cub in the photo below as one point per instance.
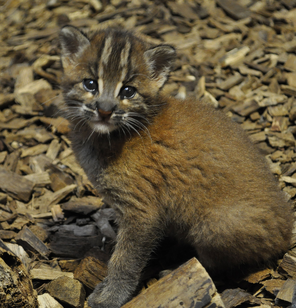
(164, 164)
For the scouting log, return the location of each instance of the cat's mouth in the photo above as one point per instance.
(103, 122)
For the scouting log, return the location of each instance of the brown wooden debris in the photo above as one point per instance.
(273, 286)
(235, 10)
(58, 178)
(39, 179)
(188, 286)
(288, 265)
(287, 292)
(36, 150)
(61, 194)
(90, 272)
(7, 234)
(48, 274)
(20, 253)
(69, 265)
(67, 291)
(16, 289)
(236, 297)
(41, 233)
(57, 213)
(11, 161)
(47, 301)
(238, 56)
(84, 205)
(246, 108)
(31, 242)
(259, 276)
(15, 185)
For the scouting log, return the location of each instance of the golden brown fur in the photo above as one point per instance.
(186, 167)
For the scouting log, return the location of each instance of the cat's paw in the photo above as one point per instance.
(106, 296)
(95, 302)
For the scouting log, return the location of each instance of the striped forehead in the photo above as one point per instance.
(114, 57)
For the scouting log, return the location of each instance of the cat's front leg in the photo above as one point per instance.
(136, 239)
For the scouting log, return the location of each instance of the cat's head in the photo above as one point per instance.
(112, 78)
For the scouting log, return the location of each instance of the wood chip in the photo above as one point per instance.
(48, 274)
(186, 286)
(68, 291)
(236, 297)
(31, 242)
(235, 10)
(16, 185)
(15, 278)
(47, 301)
(287, 292)
(90, 272)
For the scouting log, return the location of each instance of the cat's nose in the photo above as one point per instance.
(103, 112)
(105, 107)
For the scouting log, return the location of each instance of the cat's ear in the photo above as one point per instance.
(73, 43)
(160, 60)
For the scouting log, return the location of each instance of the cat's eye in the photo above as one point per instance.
(90, 85)
(127, 92)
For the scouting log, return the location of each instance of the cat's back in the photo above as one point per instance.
(192, 126)
(195, 145)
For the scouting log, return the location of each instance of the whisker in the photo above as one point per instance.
(138, 115)
(124, 129)
(133, 128)
(109, 139)
(90, 135)
(81, 121)
(50, 99)
(140, 125)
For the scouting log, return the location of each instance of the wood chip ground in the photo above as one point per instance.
(238, 55)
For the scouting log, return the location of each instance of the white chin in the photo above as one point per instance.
(102, 128)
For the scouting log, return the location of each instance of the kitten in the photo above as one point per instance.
(164, 164)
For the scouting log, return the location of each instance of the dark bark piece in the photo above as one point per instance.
(233, 9)
(188, 286)
(236, 297)
(31, 242)
(72, 246)
(15, 185)
(67, 291)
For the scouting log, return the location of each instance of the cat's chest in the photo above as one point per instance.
(96, 158)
